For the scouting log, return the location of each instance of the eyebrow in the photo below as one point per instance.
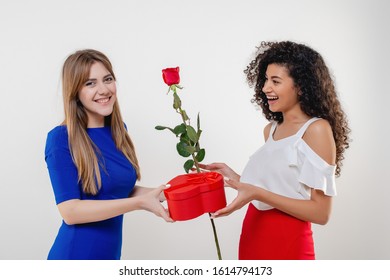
(94, 79)
(273, 77)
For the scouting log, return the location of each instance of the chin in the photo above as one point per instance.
(274, 110)
(107, 113)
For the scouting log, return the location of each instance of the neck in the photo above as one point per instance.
(295, 117)
(95, 124)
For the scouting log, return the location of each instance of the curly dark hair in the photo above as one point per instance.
(310, 74)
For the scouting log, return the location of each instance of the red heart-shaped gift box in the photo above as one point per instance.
(191, 195)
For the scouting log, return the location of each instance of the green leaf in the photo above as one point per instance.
(198, 126)
(179, 129)
(188, 165)
(184, 149)
(184, 138)
(159, 127)
(176, 101)
(192, 134)
(199, 133)
(184, 114)
(200, 155)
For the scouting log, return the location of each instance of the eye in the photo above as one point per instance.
(89, 84)
(109, 79)
(275, 82)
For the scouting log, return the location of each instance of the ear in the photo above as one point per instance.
(298, 91)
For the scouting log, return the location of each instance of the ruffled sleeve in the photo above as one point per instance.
(313, 171)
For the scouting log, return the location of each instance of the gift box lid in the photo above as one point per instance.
(193, 184)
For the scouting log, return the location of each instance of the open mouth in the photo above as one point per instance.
(103, 100)
(272, 98)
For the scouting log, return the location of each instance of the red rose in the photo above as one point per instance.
(171, 76)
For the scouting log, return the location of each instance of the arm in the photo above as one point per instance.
(76, 211)
(317, 210)
(138, 190)
(64, 177)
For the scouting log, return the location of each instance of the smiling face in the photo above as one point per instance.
(98, 95)
(279, 87)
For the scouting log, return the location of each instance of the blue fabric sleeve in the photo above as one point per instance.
(62, 171)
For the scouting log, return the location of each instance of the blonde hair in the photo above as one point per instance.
(85, 154)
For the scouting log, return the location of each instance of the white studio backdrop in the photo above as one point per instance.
(212, 42)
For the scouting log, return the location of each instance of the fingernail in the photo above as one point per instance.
(167, 185)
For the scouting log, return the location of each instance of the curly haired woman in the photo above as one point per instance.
(290, 181)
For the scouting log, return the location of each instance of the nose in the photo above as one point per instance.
(102, 88)
(266, 87)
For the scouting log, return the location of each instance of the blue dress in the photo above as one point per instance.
(96, 240)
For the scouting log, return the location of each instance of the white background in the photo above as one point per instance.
(212, 42)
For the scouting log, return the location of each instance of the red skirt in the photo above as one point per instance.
(275, 235)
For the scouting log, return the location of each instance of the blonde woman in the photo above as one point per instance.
(92, 164)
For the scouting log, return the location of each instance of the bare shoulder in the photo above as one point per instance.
(266, 131)
(320, 129)
(319, 137)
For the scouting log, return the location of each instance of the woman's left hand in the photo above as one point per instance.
(246, 193)
(151, 201)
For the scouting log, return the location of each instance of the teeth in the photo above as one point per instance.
(103, 100)
(272, 97)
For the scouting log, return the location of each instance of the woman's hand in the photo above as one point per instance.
(162, 197)
(246, 193)
(151, 201)
(221, 168)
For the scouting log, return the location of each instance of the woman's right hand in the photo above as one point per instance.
(221, 168)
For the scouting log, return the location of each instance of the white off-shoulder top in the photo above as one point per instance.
(289, 167)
